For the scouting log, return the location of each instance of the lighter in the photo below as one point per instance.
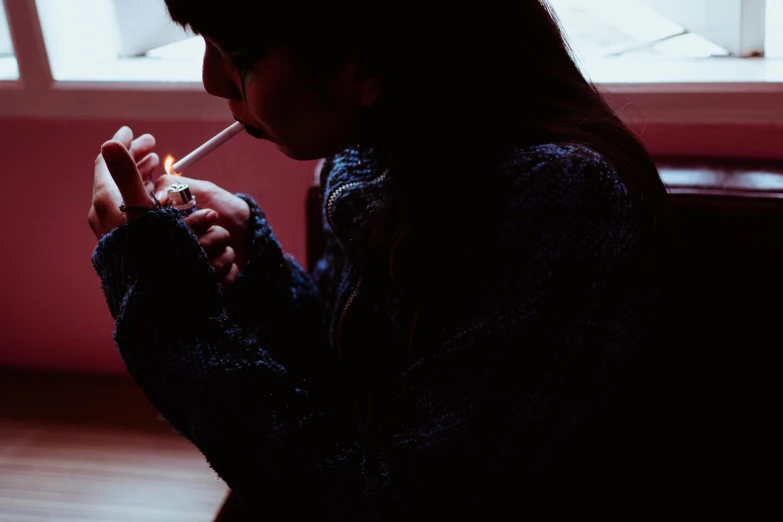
(180, 198)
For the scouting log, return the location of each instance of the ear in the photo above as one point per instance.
(368, 90)
(368, 84)
(359, 81)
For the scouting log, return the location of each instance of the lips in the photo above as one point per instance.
(254, 131)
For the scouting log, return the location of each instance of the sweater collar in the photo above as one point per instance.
(355, 195)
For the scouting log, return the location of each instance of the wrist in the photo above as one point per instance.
(243, 216)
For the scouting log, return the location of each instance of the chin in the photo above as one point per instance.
(305, 154)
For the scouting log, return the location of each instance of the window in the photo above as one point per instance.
(774, 29)
(615, 41)
(117, 40)
(663, 61)
(8, 67)
(669, 41)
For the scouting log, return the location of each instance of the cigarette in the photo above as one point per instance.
(224, 135)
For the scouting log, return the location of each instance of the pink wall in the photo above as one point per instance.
(711, 140)
(52, 312)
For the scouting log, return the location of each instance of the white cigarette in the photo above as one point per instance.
(224, 135)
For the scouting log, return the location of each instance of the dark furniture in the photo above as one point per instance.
(724, 329)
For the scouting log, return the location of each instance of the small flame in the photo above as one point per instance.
(168, 164)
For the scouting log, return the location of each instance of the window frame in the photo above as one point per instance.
(37, 95)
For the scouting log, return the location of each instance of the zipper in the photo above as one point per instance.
(330, 202)
(338, 330)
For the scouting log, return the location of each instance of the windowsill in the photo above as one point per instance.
(645, 89)
(632, 73)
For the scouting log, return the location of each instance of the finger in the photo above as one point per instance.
(123, 171)
(148, 165)
(200, 221)
(124, 136)
(102, 181)
(142, 146)
(229, 278)
(104, 190)
(222, 263)
(214, 241)
(162, 198)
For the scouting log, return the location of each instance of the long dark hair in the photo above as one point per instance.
(461, 83)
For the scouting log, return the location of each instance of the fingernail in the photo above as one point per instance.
(212, 216)
(124, 129)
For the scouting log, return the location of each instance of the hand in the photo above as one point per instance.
(118, 178)
(215, 241)
(233, 212)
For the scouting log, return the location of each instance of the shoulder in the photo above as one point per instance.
(565, 232)
(567, 200)
(563, 176)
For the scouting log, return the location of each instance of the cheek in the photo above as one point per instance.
(277, 99)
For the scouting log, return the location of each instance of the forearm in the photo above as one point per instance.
(264, 428)
(214, 384)
(275, 300)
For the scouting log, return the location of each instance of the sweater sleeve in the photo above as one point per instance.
(274, 292)
(493, 404)
(276, 302)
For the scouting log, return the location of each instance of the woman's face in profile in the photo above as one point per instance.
(307, 117)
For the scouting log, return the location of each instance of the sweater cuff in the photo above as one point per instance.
(261, 243)
(158, 255)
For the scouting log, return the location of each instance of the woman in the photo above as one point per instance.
(489, 283)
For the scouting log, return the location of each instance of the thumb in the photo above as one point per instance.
(122, 168)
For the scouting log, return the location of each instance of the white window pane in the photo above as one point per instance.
(735, 25)
(117, 40)
(627, 41)
(601, 28)
(774, 44)
(8, 67)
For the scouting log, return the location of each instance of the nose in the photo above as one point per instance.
(219, 78)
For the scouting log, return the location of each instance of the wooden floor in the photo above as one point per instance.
(91, 449)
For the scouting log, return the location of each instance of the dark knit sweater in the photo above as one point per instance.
(512, 404)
